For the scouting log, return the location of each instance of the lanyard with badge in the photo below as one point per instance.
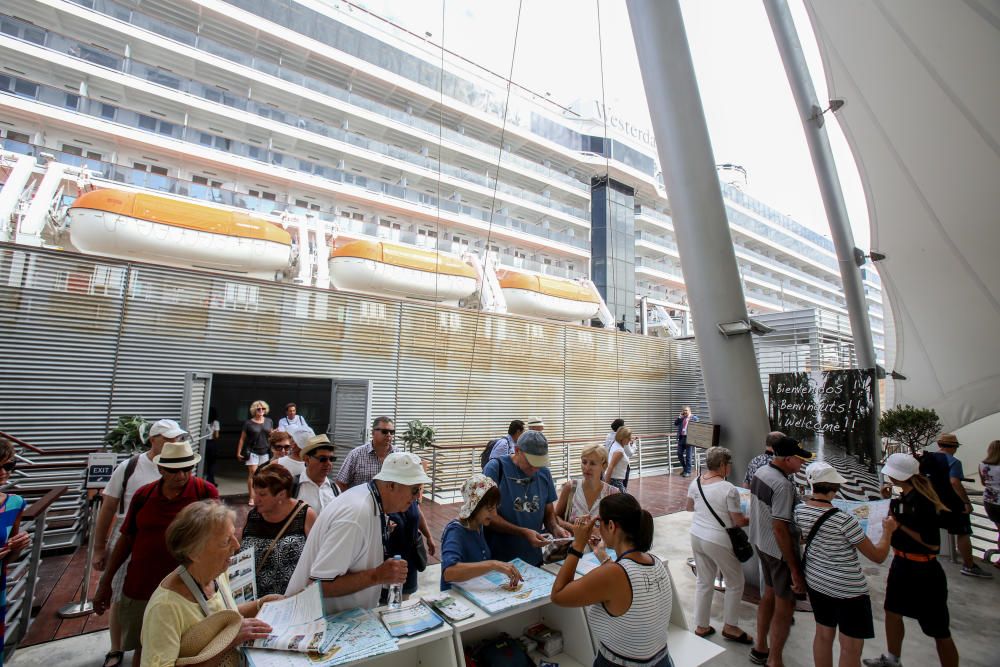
(377, 497)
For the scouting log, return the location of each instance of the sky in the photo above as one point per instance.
(561, 48)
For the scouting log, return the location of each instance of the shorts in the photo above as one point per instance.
(118, 581)
(853, 616)
(777, 575)
(993, 512)
(257, 459)
(130, 614)
(919, 590)
(959, 523)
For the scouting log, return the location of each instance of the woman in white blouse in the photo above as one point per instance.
(712, 549)
(582, 497)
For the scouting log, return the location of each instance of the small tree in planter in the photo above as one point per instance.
(417, 436)
(128, 435)
(914, 427)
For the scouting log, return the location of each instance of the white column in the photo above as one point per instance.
(708, 261)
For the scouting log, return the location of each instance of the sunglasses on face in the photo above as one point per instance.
(281, 448)
(386, 431)
(9, 466)
(261, 409)
(324, 459)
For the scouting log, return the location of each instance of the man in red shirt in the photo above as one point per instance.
(153, 508)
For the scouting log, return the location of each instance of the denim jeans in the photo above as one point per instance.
(684, 454)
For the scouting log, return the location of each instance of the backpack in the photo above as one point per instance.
(129, 469)
(934, 466)
(484, 458)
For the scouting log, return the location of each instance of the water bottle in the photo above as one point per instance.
(395, 599)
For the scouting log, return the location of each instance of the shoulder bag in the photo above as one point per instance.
(281, 533)
(737, 536)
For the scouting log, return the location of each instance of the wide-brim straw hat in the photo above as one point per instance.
(177, 455)
(209, 638)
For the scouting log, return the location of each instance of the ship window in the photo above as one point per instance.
(159, 171)
(147, 122)
(199, 180)
(108, 111)
(91, 155)
(270, 196)
(253, 152)
(4, 82)
(25, 88)
(72, 150)
(140, 166)
(18, 136)
(166, 128)
(72, 101)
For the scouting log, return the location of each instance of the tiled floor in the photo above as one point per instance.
(60, 576)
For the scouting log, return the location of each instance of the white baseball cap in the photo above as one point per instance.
(168, 428)
(901, 467)
(403, 468)
(822, 472)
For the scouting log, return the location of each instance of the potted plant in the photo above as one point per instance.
(417, 436)
(128, 435)
(914, 427)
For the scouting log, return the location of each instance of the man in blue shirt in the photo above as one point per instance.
(961, 521)
(527, 497)
(505, 446)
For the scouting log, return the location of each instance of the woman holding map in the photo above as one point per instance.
(202, 538)
(628, 600)
(464, 552)
(838, 590)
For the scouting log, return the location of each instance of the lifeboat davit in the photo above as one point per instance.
(392, 269)
(147, 227)
(547, 296)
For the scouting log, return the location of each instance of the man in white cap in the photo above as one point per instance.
(314, 482)
(346, 550)
(143, 538)
(132, 474)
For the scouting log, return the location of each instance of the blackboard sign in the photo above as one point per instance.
(702, 434)
(836, 404)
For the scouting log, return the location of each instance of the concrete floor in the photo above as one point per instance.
(974, 606)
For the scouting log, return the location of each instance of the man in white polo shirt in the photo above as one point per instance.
(345, 548)
(314, 480)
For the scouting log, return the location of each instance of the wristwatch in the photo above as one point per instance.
(574, 552)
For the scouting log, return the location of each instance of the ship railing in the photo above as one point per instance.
(22, 570)
(42, 469)
(453, 463)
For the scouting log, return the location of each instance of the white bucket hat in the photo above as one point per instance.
(403, 468)
(901, 467)
(473, 491)
(822, 472)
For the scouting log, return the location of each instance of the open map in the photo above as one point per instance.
(489, 591)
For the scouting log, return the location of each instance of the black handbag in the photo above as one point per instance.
(737, 536)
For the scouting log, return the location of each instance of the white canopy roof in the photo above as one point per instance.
(921, 82)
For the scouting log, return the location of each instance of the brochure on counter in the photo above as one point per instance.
(491, 593)
(243, 577)
(450, 607)
(350, 635)
(590, 562)
(411, 619)
(296, 622)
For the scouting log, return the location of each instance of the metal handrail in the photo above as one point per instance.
(23, 578)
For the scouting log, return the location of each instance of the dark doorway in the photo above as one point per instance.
(231, 396)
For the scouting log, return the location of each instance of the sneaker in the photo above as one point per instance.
(976, 571)
(882, 661)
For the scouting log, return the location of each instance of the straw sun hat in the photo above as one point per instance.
(209, 638)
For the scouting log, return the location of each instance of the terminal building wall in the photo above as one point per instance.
(86, 340)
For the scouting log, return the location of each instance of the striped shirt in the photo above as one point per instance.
(640, 634)
(832, 565)
(773, 496)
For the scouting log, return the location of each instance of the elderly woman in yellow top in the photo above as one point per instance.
(202, 538)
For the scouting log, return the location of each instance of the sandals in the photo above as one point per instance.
(742, 638)
(707, 633)
(114, 658)
(759, 657)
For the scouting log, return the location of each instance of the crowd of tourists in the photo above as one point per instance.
(163, 540)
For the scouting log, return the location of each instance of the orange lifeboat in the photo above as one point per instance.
(148, 227)
(393, 269)
(547, 296)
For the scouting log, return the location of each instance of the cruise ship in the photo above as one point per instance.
(317, 143)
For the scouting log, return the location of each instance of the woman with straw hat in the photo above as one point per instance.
(192, 608)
